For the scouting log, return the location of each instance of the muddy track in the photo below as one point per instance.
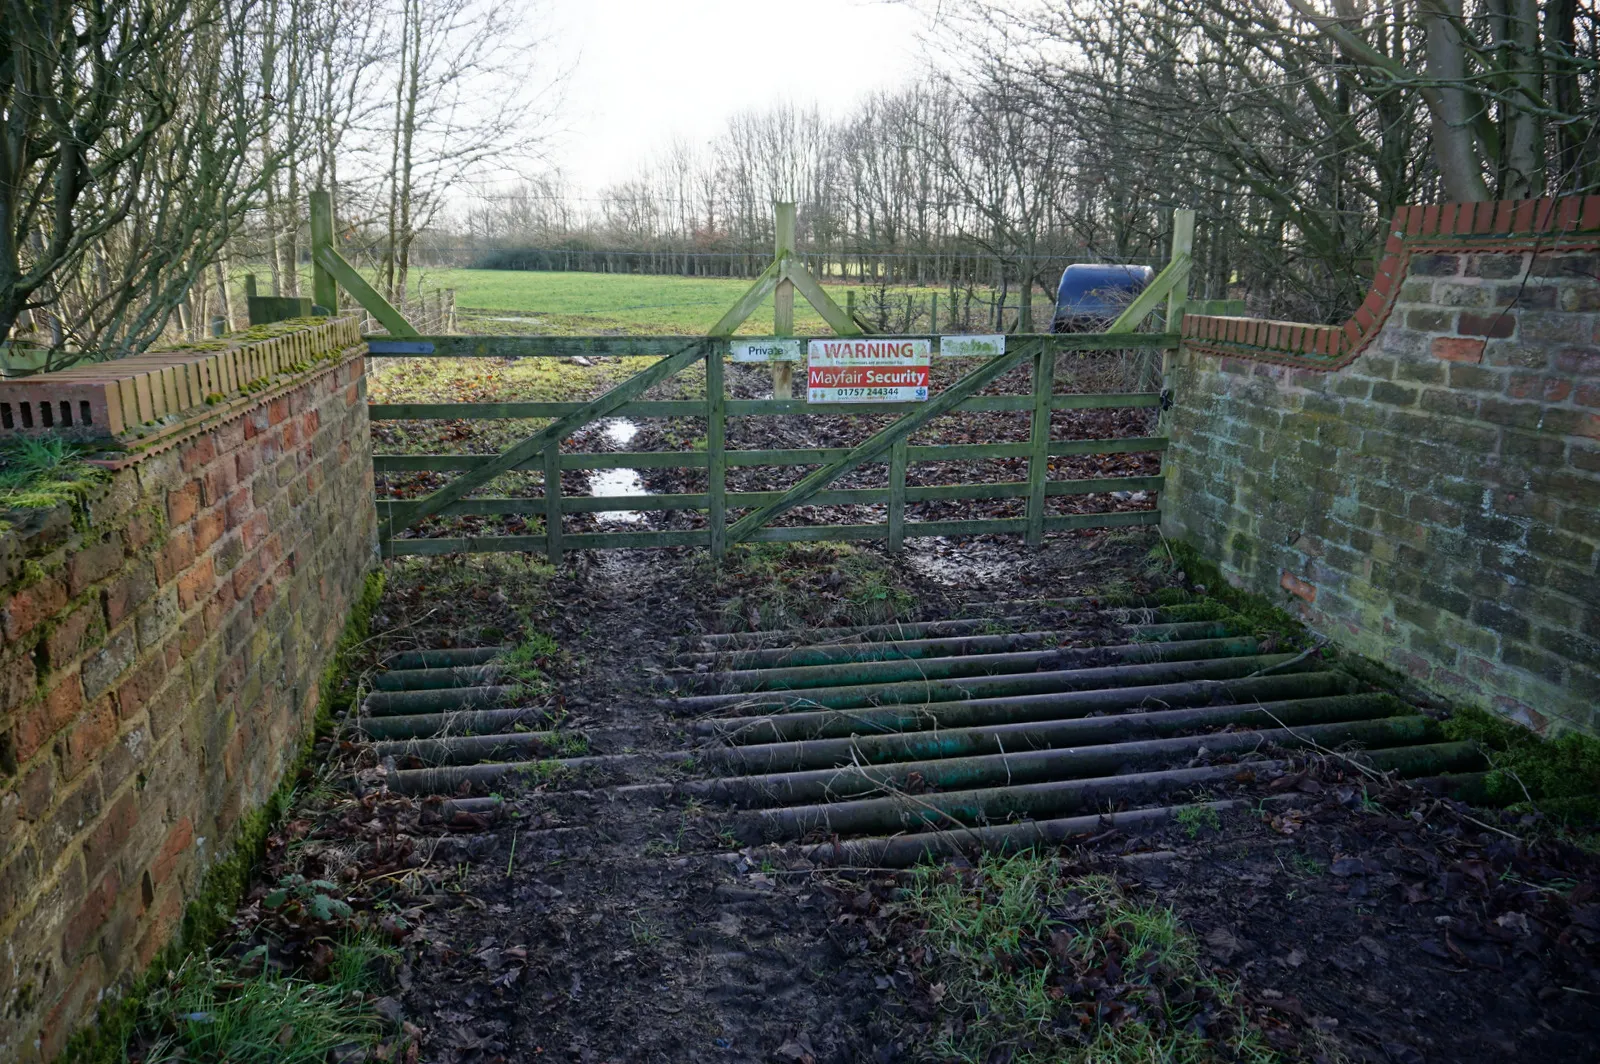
(627, 903)
(615, 929)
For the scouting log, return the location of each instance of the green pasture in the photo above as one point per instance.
(526, 301)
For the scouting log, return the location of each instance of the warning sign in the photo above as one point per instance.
(868, 371)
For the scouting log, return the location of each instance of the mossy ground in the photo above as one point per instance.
(1033, 964)
(794, 585)
(1558, 777)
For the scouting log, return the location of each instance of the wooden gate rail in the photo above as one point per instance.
(785, 276)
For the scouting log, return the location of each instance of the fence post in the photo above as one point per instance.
(1044, 374)
(933, 313)
(783, 299)
(324, 289)
(552, 501)
(1182, 244)
(716, 455)
(898, 455)
(1178, 298)
(850, 303)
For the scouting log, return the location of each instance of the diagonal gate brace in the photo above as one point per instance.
(882, 441)
(405, 514)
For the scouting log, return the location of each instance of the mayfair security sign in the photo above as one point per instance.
(868, 371)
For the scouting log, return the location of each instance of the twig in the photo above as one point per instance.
(1297, 659)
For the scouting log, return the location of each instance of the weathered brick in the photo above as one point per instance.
(92, 914)
(1457, 349)
(93, 563)
(106, 839)
(30, 607)
(102, 667)
(1497, 326)
(87, 737)
(40, 722)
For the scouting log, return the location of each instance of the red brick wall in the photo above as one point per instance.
(160, 662)
(1422, 483)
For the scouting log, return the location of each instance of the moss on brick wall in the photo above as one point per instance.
(1435, 504)
(166, 641)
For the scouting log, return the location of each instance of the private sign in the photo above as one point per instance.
(867, 371)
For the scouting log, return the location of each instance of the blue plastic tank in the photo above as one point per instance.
(1092, 295)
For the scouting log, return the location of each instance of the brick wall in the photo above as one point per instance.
(1422, 483)
(162, 647)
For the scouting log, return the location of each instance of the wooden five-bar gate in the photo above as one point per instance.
(782, 278)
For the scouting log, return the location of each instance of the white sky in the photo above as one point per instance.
(648, 70)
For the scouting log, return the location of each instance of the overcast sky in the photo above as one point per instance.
(646, 70)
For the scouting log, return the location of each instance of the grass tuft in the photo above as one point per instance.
(40, 472)
(1032, 966)
(209, 1010)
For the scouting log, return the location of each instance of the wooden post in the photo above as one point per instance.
(450, 300)
(324, 289)
(933, 313)
(1178, 298)
(552, 501)
(716, 454)
(850, 303)
(898, 455)
(1182, 244)
(783, 299)
(1044, 374)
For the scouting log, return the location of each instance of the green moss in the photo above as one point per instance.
(1261, 617)
(1559, 777)
(42, 472)
(212, 909)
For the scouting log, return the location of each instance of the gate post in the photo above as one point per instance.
(324, 289)
(783, 298)
(1044, 375)
(716, 456)
(552, 501)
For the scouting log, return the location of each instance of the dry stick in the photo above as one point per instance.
(1297, 659)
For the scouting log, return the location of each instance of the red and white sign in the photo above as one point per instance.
(868, 371)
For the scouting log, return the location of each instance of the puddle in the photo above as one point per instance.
(612, 482)
(519, 321)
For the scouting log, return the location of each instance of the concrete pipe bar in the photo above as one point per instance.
(830, 724)
(468, 749)
(921, 812)
(398, 703)
(436, 679)
(903, 851)
(448, 779)
(443, 659)
(1034, 735)
(1036, 765)
(875, 672)
(430, 725)
(954, 690)
(890, 650)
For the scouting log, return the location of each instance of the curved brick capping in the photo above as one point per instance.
(1421, 484)
(162, 646)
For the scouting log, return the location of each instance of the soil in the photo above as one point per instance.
(1364, 921)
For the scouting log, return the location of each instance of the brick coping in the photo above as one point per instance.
(138, 400)
(1571, 223)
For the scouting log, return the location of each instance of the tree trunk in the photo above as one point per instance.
(1454, 146)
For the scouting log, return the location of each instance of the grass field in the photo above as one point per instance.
(522, 301)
